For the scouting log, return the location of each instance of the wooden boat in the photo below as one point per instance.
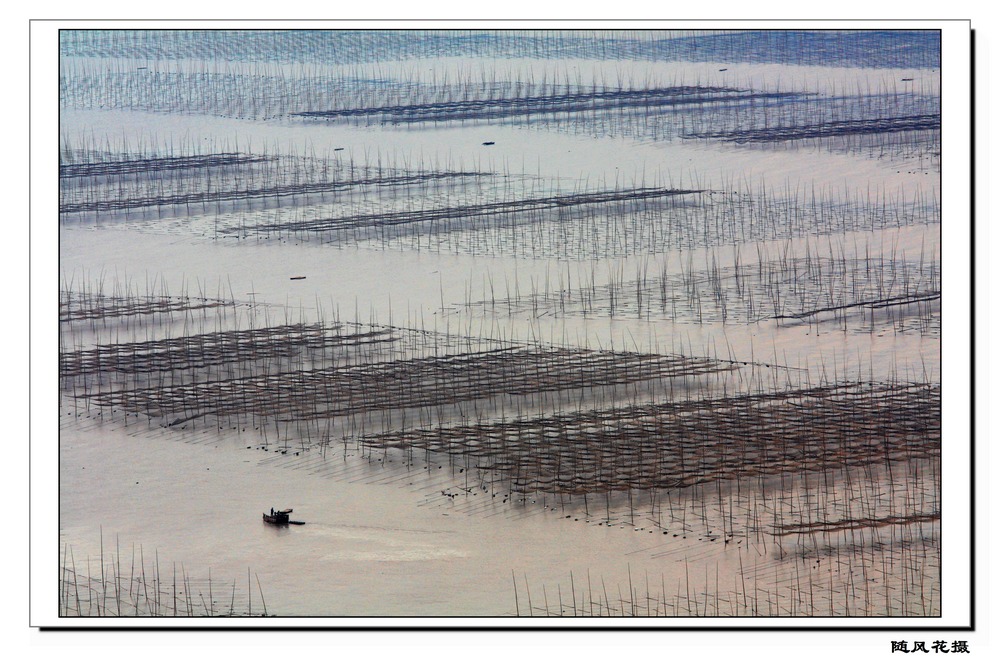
(277, 517)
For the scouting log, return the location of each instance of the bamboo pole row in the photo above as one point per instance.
(130, 590)
(897, 49)
(862, 295)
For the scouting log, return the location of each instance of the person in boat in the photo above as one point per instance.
(272, 510)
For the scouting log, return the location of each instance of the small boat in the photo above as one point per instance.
(277, 517)
(298, 277)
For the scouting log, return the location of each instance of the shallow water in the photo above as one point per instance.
(394, 536)
(368, 548)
